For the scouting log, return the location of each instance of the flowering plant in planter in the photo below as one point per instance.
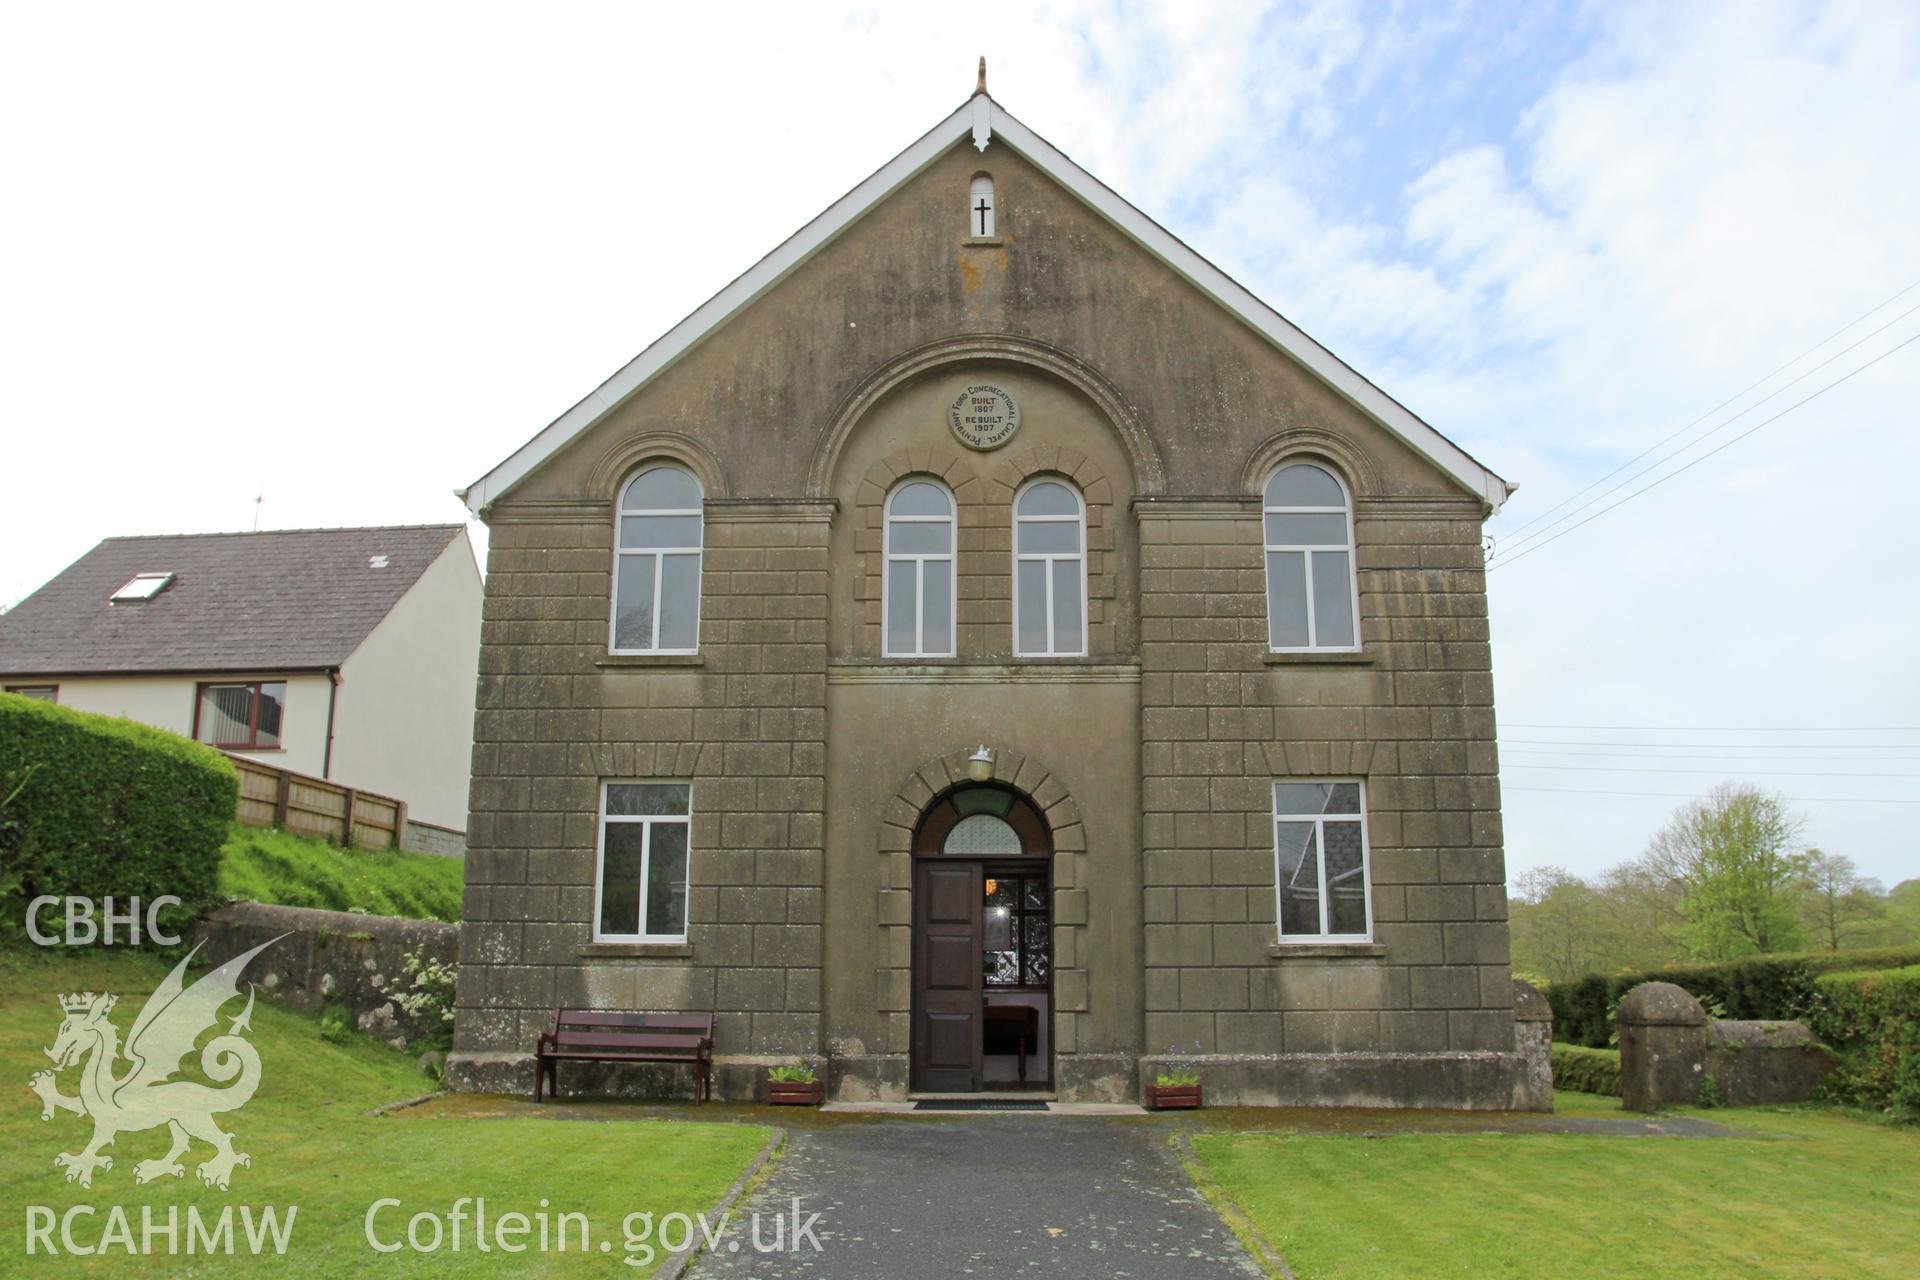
(794, 1085)
(1177, 1087)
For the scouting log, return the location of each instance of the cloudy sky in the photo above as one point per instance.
(345, 258)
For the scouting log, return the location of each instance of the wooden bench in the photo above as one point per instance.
(597, 1035)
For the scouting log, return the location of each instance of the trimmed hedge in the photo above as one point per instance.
(1764, 987)
(1586, 1070)
(92, 806)
(1872, 1021)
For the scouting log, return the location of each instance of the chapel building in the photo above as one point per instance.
(985, 648)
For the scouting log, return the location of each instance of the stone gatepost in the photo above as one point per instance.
(1663, 1047)
(1533, 1041)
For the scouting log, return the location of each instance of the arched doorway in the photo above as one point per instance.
(982, 943)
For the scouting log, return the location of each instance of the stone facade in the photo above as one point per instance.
(744, 723)
(1412, 714)
(812, 756)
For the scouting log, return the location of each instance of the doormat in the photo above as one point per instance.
(977, 1104)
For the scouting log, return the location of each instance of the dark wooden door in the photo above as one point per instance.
(947, 915)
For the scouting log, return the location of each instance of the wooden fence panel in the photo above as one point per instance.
(309, 806)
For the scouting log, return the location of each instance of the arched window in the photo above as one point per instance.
(983, 835)
(1049, 571)
(980, 206)
(1312, 600)
(980, 821)
(918, 588)
(656, 576)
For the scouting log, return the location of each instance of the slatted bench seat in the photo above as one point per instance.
(599, 1035)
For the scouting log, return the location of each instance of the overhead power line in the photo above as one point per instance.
(1723, 728)
(1678, 795)
(1751, 386)
(1704, 435)
(1719, 448)
(1716, 746)
(1756, 773)
(1736, 760)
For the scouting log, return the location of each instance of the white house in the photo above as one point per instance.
(346, 654)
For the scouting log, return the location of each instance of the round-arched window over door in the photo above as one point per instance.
(983, 835)
(983, 821)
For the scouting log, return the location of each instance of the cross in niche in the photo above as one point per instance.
(983, 209)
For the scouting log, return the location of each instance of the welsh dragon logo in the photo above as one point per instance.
(142, 1096)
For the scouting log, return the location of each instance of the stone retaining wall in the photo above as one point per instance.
(425, 837)
(324, 958)
(1755, 1063)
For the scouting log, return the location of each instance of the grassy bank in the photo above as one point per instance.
(1812, 1193)
(261, 865)
(311, 1147)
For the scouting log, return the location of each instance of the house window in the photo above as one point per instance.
(44, 692)
(1049, 572)
(640, 891)
(656, 577)
(1312, 600)
(980, 207)
(242, 716)
(918, 588)
(1320, 856)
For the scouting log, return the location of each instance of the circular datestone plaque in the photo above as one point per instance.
(984, 416)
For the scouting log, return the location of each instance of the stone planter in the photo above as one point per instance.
(794, 1093)
(1173, 1097)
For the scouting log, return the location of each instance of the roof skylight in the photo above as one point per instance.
(141, 587)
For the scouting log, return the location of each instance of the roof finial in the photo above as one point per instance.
(981, 87)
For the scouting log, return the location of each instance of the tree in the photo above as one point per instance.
(1736, 857)
(1837, 903)
(1903, 914)
(1645, 925)
(1557, 923)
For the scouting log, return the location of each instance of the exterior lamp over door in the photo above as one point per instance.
(980, 764)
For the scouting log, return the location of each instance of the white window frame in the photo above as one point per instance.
(982, 185)
(1048, 559)
(646, 858)
(1307, 549)
(659, 555)
(140, 588)
(919, 561)
(1320, 845)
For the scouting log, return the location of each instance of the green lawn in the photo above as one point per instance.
(1817, 1193)
(272, 866)
(312, 1147)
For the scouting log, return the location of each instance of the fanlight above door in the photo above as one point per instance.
(984, 821)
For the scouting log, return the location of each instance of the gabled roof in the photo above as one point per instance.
(988, 122)
(282, 601)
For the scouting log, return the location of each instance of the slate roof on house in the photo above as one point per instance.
(280, 600)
